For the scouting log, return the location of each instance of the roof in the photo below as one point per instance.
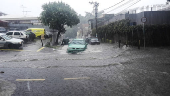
(2, 14)
(78, 39)
(36, 28)
(12, 17)
(2, 34)
(15, 31)
(3, 21)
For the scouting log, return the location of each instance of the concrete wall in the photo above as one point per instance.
(117, 18)
(25, 26)
(138, 18)
(157, 17)
(153, 17)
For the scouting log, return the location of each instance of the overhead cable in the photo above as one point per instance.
(130, 6)
(121, 5)
(114, 5)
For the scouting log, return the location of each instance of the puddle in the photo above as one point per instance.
(52, 66)
(90, 58)
(88, 50)
(62, 51)
(22, 60)
(109, 65)
(33, 60)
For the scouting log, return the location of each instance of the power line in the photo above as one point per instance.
(96, 12)
(22, 6)
(130, 6)
(121, 5)
(114, 5)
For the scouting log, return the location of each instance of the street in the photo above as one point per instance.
(101, 70)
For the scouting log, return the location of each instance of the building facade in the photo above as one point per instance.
(22, 23)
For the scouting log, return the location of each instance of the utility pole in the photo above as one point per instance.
(26, 12)
(96, 12)
(22, 6)
(167, 3)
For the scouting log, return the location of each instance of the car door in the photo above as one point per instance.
(22, 35)
(17, 35)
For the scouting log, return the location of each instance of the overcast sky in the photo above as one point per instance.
(14, 7)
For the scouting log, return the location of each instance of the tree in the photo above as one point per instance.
(71, 32)
(58, 14)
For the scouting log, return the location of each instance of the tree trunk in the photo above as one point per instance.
(58, 34)
(53, 38)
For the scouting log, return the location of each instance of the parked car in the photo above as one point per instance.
(8, 42)
(65, 42)
(94, 41)
(76, 45)
(87, 40)
(18, 34)
(2, 30)
(31, 35)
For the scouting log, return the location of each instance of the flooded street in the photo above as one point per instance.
(101, 70)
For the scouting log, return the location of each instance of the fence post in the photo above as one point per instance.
(139, 45)
(119, 43)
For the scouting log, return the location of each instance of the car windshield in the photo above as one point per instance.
(94, 39)
(77, 42)
(26, 32)
(6, 37)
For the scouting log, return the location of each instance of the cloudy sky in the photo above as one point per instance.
(15, 7)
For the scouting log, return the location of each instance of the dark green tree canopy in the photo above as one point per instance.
(57, 14)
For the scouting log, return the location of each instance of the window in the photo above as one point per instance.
(21, 34)
(77, 42)
(17, 33)
(6, 37)
(29, 30)
(9, 33)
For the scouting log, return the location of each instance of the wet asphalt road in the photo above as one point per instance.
(101, 70)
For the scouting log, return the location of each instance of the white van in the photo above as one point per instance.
(18, 34)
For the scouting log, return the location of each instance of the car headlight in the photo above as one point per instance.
(21, 42)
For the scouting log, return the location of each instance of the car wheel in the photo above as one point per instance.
(25, 40)
(10, 46)
(16, 47)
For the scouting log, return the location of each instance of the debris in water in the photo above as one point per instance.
(2, 72)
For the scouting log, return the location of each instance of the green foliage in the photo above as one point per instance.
(156, 35)
(58, 14)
